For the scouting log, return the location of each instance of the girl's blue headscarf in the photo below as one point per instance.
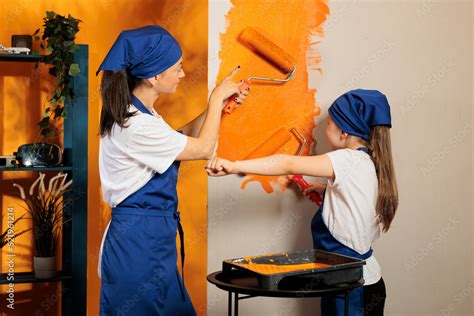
(145, 52)
(357, 111)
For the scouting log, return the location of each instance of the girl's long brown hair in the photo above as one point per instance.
(381, 152)
(116, 92)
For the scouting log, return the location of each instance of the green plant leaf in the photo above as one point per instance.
(58, 111)
(73, 49)
(74, 70)
(44, 123)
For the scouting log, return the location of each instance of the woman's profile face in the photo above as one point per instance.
(168, 80)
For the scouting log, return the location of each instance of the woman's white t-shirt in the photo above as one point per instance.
(129, 157)
(349, 205)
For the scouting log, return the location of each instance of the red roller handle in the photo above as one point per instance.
(303, 185)
(231, 104)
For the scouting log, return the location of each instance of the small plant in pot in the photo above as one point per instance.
(45, 205)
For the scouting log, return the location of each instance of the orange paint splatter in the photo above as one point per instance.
(265, 181)
(270, 107)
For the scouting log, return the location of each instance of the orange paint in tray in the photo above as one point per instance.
(276, 269)
(320, 268)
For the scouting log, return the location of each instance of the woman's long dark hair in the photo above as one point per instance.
(381, 152)
(116, 92)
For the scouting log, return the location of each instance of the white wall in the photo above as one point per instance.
(419, 53)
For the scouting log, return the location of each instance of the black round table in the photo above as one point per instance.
(241, 282)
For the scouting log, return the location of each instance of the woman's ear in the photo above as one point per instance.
(344, 135)
(153, 81)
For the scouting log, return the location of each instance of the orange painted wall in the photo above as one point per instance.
(269, 107)
(22, 94)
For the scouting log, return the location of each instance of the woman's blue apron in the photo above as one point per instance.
(324, 240)
(139, 272)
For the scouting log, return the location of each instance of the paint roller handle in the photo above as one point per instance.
(303, 185)
(231, 103)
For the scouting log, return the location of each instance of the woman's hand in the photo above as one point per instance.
(217, 167)
(227, 88)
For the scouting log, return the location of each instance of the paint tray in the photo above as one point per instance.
(316, 267)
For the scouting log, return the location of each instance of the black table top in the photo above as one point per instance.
(242, 282)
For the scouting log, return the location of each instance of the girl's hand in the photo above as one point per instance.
(217, 167)
(314, 187)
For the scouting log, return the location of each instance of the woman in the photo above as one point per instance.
(139, 158)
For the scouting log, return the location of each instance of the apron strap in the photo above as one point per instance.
(139, 105)
(181, 241)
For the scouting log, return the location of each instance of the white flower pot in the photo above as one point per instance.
(44, 267)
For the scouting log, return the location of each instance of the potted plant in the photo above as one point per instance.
(58, 38)
(45, 205)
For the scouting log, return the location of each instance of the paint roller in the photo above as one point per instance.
(268, 50)
(271, 145)
(275, 142)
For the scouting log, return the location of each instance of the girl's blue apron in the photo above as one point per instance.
(139, 272)
(324, 240)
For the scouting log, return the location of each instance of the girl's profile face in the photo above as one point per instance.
(168, 80)
(334, 134)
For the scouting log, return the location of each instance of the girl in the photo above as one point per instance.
(361, 195)
(139, 158)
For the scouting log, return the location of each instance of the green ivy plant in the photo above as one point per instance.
(59, 35)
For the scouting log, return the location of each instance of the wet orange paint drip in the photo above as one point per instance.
(290, 25)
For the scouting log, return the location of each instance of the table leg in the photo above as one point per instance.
(229, 304)
(346, 303)
(236, 304)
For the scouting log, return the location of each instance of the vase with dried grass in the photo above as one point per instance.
(45, 205)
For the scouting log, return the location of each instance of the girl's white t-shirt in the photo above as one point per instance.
(349, 205)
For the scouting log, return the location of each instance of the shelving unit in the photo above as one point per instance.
(65, 168)
(29, 277)
(73, 276)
